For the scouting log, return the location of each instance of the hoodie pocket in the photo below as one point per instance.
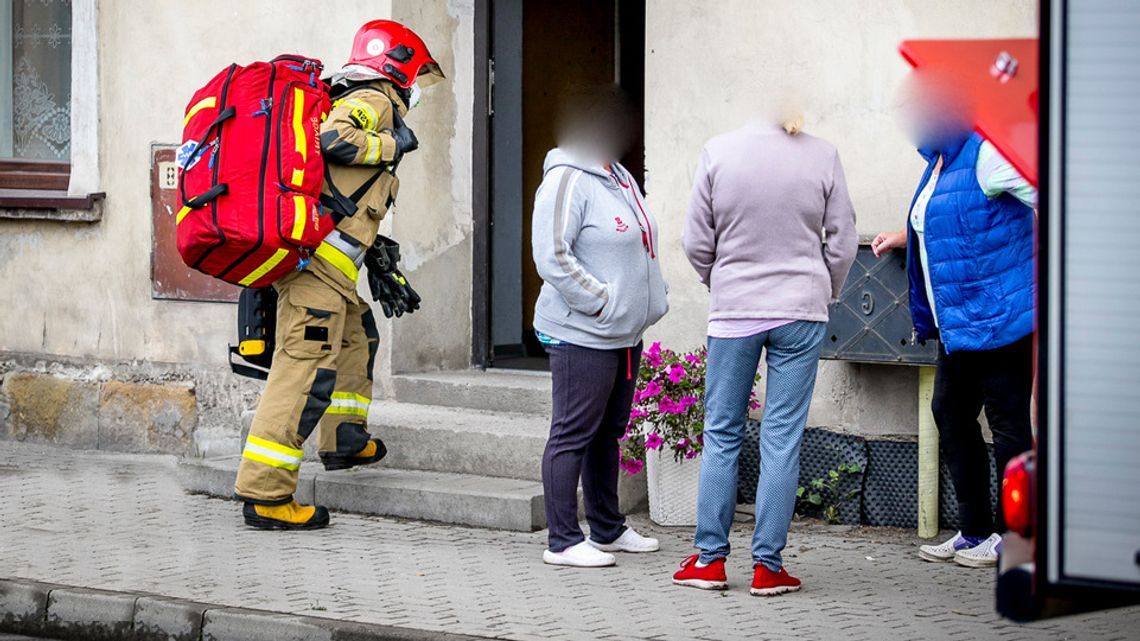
(606, 315)
(553, 307)
(625, 312)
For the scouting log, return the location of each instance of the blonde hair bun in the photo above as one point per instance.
(794, 125)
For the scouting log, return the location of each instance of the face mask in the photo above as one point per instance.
(414, 96)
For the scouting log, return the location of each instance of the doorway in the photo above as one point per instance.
(538, 51)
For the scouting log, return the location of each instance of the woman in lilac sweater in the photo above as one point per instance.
(771, 232)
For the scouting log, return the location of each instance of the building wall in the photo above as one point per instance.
(709, 68)
(433, 216)
(81, 293)
(83, 290)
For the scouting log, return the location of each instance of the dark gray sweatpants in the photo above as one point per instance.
(592, 393)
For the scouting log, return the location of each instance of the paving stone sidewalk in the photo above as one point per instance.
(121, 522)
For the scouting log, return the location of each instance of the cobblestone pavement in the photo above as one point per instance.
(120, 522)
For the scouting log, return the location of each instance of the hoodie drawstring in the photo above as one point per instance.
(629, 363)
(646, 230)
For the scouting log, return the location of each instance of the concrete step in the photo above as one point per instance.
(461, 499)
(516, 391)
(457, 440)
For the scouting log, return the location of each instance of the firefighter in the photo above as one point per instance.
(321, 376)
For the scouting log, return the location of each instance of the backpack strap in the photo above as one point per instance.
(218, 189)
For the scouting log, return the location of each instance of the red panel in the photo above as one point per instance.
(1006, 105)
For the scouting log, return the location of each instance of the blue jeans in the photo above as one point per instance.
(793, 356)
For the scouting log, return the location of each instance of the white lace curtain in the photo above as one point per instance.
(35, 93)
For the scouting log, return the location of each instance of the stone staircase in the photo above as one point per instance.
(464, 447)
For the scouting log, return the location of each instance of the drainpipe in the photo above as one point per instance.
(927, 456)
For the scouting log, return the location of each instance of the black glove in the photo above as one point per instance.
(406, 140)
(389, 287)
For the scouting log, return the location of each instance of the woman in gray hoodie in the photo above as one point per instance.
(771, 231)
(595, 247)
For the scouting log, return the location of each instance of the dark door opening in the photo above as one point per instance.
(539, 51)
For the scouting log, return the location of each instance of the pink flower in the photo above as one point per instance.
(754, 404)
(632, 466)
(676, 373)
(654, 349)
(687, 401)
(653, 441)
(652, 388)
(637, 413)
(691, 454)
(693, 359)
(653, 360)
(682, 444)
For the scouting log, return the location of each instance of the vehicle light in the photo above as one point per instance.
(1017, 498)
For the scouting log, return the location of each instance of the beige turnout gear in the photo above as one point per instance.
(357, 143)
(321, 377)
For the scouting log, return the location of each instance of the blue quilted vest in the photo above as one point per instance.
(981, 254)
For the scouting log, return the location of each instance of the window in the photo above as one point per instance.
(35, 98)
(36, 154)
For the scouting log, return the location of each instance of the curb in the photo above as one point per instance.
(68, 613)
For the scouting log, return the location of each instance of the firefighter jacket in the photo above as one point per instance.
(358, 147)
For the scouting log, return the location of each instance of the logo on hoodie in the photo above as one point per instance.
(621, 227)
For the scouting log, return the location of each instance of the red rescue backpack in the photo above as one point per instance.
(251, 171)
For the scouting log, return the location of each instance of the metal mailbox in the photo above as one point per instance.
(871, 322)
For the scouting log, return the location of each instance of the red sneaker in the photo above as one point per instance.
(710, 577)
(768, 583)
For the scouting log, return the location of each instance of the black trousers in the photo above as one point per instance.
(1000, 381)
(592, 394)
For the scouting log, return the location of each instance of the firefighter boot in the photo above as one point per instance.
(372, 452)
(288, 516)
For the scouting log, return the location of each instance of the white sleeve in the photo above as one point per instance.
(996, 175)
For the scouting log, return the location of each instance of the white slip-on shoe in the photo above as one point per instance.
(582, 555)
(629, 541)
(944, 551)
(983, 555)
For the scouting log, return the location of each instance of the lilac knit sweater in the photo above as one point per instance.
(762, 204)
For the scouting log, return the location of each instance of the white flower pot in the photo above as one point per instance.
(672, 488)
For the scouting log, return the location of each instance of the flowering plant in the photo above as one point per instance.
(668, 406)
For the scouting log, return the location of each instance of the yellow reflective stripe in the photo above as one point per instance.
(261, 458)
(264, 268)
(181, 214)
(343, 263)
(349, 403)
(299, 134)
(373, 157)
(347, 411)
(276, 447)
(299, 215)
(363, 112)
(208, 102)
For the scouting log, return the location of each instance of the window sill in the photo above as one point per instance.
(35, 204)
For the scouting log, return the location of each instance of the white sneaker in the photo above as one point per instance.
(629, 541)
(944, 551)
(983, 555)
(582, 555)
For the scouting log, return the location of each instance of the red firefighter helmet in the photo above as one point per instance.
(395, 51)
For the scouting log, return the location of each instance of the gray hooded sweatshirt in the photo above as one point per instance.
(595, 246)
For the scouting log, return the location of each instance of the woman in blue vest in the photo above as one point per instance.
(970, 248)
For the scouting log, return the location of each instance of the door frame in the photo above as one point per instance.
(481, 190)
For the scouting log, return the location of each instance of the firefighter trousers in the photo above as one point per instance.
(321, 378)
